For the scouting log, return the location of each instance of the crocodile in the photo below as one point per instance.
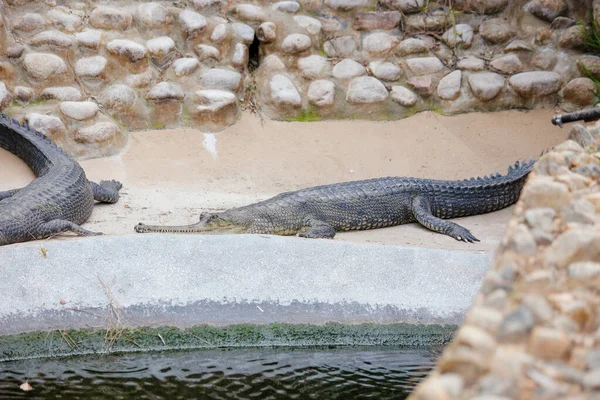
(321, 211)
(59, 200)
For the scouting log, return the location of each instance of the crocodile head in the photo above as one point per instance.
(209, 222)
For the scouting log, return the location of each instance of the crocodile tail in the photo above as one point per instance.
(521, 168)
(33, 147)
(25, 130)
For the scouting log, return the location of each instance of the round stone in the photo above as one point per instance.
(153, 15)
(212, 101)
(471, 63)
(547, 10)
(160, 46)
(250, 12)
(221, 78)
(141, 80)
(496, 30)
(486, 85)
(244, 32)
(321, 93)
(273, 63)
(266, 32)
(61, 93)
(49, 125)
(425, 65)
(30, 22)
(312, 25)
(66, 19)
(449, 86)
(386, 71)
(403, 96)
(312, 67)
(518, 45)
(191, 23)
(579, 91)
(286, 6)
(508, 64)
(410, 6)
(346, 5)
(366, 89)
(425, 22)
(110, 18)
(89, 38)
(118, 97)
(423, 85)
(340, 47)
(536, 83)
(43, 66)
(185, 66)
(166, 91)
(284, 92)
(459, 35)
(79, 110)
(295, 43)
(5, 96)
(161, 50)
(90, 67)
(23, 93)
(348, 68)
(219, 34)
(240, 56)
(97, 133)
(52, 38)
(126, 48)
(411, 46)
(206, 52)
(379, 43)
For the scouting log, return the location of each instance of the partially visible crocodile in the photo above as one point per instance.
(319, 212)
(59, 200)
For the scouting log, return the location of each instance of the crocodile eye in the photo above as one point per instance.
(214, 217)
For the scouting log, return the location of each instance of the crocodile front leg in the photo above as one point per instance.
(421, 208)
(8, 193)
(318, 230)
(106, 191)
(57, 226)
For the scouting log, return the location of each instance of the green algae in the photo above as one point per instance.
(305, 116)
(61, 343)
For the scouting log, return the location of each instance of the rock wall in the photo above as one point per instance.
(534, 329)
(85, 72)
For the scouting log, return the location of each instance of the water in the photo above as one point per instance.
(342, 373)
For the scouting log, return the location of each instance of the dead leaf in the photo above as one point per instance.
(44, 251)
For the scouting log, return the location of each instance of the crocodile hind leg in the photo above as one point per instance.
(106, 191)
(318, 230)
(8, 193)
(57, 226)
(421, 208)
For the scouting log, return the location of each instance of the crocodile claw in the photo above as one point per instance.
(463, 234)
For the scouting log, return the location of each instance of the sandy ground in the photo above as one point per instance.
(170, 176)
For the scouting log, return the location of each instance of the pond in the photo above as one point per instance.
(318, 373)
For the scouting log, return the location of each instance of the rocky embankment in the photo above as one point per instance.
(534, 329)
(85, 73)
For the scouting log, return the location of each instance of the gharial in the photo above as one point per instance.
(59, 200)
(318, 212)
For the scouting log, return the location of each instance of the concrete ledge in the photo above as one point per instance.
(187, 281)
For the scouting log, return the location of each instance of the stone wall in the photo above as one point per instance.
(533, 331)
(85, 72)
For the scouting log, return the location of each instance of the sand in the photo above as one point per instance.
(170, 176)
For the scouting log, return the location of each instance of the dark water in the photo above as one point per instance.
(343, 373)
